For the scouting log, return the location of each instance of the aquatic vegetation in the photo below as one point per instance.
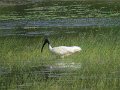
(24, 66)
(93, 25)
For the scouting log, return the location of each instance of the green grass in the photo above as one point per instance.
(21, 58)
(61, 9)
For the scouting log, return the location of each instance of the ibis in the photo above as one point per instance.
(61, 51)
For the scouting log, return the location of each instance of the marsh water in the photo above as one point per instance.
(50, 18)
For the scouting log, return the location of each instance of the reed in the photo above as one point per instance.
(21, 62)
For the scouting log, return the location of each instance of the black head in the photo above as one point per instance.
(45, 41)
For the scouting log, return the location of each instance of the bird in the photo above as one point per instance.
(61, 51)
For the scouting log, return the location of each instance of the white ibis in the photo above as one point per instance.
(61, 50)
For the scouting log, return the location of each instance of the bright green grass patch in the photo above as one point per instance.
(21, 60)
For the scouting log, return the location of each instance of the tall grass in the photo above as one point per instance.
(21, 60)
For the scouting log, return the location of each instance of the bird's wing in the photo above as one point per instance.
(62, 50)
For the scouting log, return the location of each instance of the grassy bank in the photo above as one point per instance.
(21, 59)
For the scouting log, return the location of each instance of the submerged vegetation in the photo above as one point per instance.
(22, 62)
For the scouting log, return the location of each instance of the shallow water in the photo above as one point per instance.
(80, 22)
(21, 27)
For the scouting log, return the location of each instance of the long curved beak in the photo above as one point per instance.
(43, 45)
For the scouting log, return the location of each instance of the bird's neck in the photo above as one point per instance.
(50, 47)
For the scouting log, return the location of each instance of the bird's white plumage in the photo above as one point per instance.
(62, 50)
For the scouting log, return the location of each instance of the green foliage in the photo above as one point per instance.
(21, 61)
